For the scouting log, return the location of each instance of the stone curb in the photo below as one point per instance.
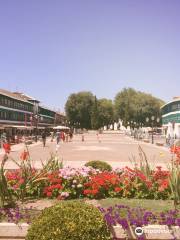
(151, 232)
(12, 231)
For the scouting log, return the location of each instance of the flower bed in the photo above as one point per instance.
(54, 181)
(70, 183)
(121, 219)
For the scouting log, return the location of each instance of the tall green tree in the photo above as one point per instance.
(102, 113)
(106, 112)
(95, 123)
(78, 109)
(132, 105)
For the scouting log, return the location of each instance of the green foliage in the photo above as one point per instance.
(90, 112)
(78, 109)
(102, 113)
(174, 182)
(5, 194)
(53, 163)
(105, 111)
(95, 123)
(132, 105)
(101, 165)
(69, 220)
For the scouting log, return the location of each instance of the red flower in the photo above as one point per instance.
(87, 191)
(149, 184)
(163, 185)
(117, 189)
(49, 194)
(21, 181)
(58, 186)
(95, 191)
(24, 155)
(7, 147)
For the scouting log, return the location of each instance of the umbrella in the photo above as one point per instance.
(61, 127)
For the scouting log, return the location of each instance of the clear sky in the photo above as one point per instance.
(52, 48)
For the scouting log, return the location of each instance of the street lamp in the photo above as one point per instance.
(152, 125)
(147, 119)
(36, 122)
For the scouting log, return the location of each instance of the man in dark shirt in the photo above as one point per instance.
(44, 138)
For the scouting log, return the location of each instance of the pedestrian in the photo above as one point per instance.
(67, 137)
(70, 136)
(63, 136)
(82, 138)
(98, 138)
(52, 136)
(58, 137)
(44, 138)
(16, 138)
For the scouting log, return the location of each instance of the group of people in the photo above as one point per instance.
(59, 136)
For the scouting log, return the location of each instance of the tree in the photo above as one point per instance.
(95, 123)
(132, 105)
(102, 113)
(78, 109)
(106, 112)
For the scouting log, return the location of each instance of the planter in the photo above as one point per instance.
(158, 232)
(118, 232)
(150, 232)
(12, 231)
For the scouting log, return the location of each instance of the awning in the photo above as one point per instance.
(61, 127)
(23, 127)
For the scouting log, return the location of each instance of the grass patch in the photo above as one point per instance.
(152, 205)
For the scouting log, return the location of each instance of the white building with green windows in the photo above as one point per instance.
(171, 118)
(19, 112)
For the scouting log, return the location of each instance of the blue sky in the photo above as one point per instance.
(50, 49)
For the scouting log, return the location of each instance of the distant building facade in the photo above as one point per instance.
(171, 118)
(19, 111)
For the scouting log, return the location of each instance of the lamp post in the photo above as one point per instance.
(152, 121)
(152, 125)
(134, 123)
(36, 122)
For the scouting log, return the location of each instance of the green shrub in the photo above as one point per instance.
(103, 166)
(69, 220)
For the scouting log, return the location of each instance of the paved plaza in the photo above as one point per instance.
(116, 149)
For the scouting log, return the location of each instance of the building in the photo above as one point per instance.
(171, 118)
(19, 112)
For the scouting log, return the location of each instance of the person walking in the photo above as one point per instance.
(70, 136)
(58, 137)
(63, 136)
(82, 137)
(44, 138)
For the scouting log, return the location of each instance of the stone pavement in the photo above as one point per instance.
(116, 149)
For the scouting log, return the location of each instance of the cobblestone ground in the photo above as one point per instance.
(116, 149)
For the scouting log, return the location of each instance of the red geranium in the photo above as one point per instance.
(100, 184)
(7, 147)
(24, 155)
(117, 189)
